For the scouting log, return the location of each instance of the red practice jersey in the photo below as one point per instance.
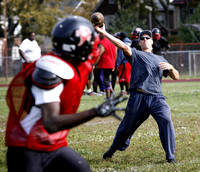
(20, 101)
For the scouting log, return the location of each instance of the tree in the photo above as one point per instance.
(190, 32)
(132, 13)
(85, 8)
(127, 17)
(38, 16)
(165, 5)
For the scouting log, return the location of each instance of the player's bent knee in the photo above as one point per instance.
(83, 166)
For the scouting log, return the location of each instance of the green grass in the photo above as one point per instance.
(145, 152)
(4, 80)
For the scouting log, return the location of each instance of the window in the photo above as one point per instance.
(111, 2)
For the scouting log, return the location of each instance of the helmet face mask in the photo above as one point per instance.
(73, 37)
(156, 34)
(135, 33)
(117, 35)
(134, 36)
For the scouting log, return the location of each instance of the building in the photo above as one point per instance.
(178, 11)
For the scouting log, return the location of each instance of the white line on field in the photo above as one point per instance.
(99, 122)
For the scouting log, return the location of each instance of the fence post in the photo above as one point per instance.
(5, 41)
(189, 61)
(180, 58)
(195, 69)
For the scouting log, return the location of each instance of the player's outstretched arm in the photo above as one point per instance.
(54, 122)
(109, 106)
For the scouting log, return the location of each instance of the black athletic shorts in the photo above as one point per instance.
(21, 159)
(106, 77)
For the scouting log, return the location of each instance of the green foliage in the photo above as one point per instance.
(38, 16)
(127, 18)
(86, 8)
(175, 38)
(195, 18)
(189, 33)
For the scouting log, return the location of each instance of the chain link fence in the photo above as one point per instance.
(186, 62)
(184, 57)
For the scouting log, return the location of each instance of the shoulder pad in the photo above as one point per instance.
(56, 66)
(45, 79)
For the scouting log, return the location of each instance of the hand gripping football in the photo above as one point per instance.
(97, 18)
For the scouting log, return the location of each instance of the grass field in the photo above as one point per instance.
(145, 152)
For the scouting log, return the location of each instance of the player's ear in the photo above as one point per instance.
(139, 43)
(152, 41)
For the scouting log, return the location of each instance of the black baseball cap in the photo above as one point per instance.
(147, 32)
(123, 35)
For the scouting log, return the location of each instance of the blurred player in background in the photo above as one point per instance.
(29, 50)
(135, 37)
(160, 43)
(93, 55)
(107, 57)
(124, 68)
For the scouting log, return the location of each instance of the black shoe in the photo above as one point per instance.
(171, 161)
(108, 154)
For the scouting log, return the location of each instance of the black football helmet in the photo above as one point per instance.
(120, 35)
(73, 37)
(156, 33)
(117, 35)
(136, 32)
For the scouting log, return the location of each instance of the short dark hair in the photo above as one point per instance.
(30, 33)
(123, 35)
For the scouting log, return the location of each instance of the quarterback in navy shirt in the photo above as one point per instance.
(146, 96)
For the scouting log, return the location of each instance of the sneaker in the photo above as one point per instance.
(96, 94)
(89, 91)
(91, 94)
(171, 161)
(123, 92)
(108, 154)
(84, 92)
(102, 93)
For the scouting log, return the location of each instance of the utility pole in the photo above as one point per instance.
(78, 6)
(150, 15)
(5, 42)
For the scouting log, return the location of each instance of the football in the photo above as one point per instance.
(97, 18)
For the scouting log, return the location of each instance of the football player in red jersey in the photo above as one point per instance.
(43, 102)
